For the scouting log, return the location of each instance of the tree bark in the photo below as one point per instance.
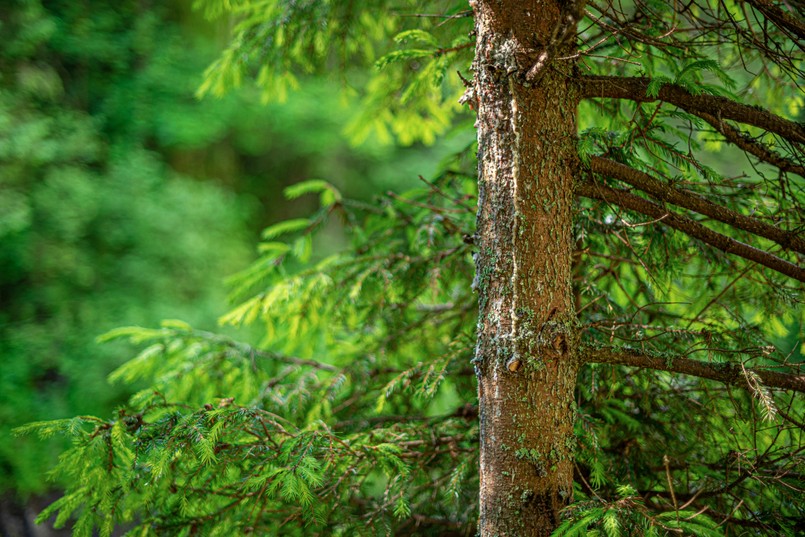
(526, 352)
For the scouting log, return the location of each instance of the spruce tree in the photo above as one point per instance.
(615, 266)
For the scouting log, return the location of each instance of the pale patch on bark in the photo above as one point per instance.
(516, 361)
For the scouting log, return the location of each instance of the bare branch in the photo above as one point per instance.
(783, 20)
(773, 33)
(636, 89)
(694, 229)
(666, 192)
(728, 373)
(753, 147)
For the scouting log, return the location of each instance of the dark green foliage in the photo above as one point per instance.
(95, 228)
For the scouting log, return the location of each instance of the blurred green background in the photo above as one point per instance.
(124, 200)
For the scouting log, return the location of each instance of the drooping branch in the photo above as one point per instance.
(665, 192)
(694, 229)
(781, 19)
(636, 89)
(753, 147)
(728, 373)
(773, 35)
(247, 350)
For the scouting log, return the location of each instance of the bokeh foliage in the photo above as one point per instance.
(95, 226)
(123, 199)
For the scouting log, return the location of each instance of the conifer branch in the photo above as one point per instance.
(751, 146)
(728, 373)
(248, 350)
(696, 230)
(783, 20)
(666, 192)
(636, 89)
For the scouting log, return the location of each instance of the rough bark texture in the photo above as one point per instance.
(525, 357)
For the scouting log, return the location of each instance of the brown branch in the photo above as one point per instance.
(728, 373)
(753, 147)
(443, 51)
(780, 18)
(666, 192)
(694, 229)
(636, 89)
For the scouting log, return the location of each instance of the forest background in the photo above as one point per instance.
(125, 200)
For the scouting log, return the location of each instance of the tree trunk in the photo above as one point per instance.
(526, 352)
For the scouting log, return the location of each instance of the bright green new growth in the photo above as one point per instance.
(411, 94)
(353, 413)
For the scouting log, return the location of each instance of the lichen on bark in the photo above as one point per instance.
(526, 349)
